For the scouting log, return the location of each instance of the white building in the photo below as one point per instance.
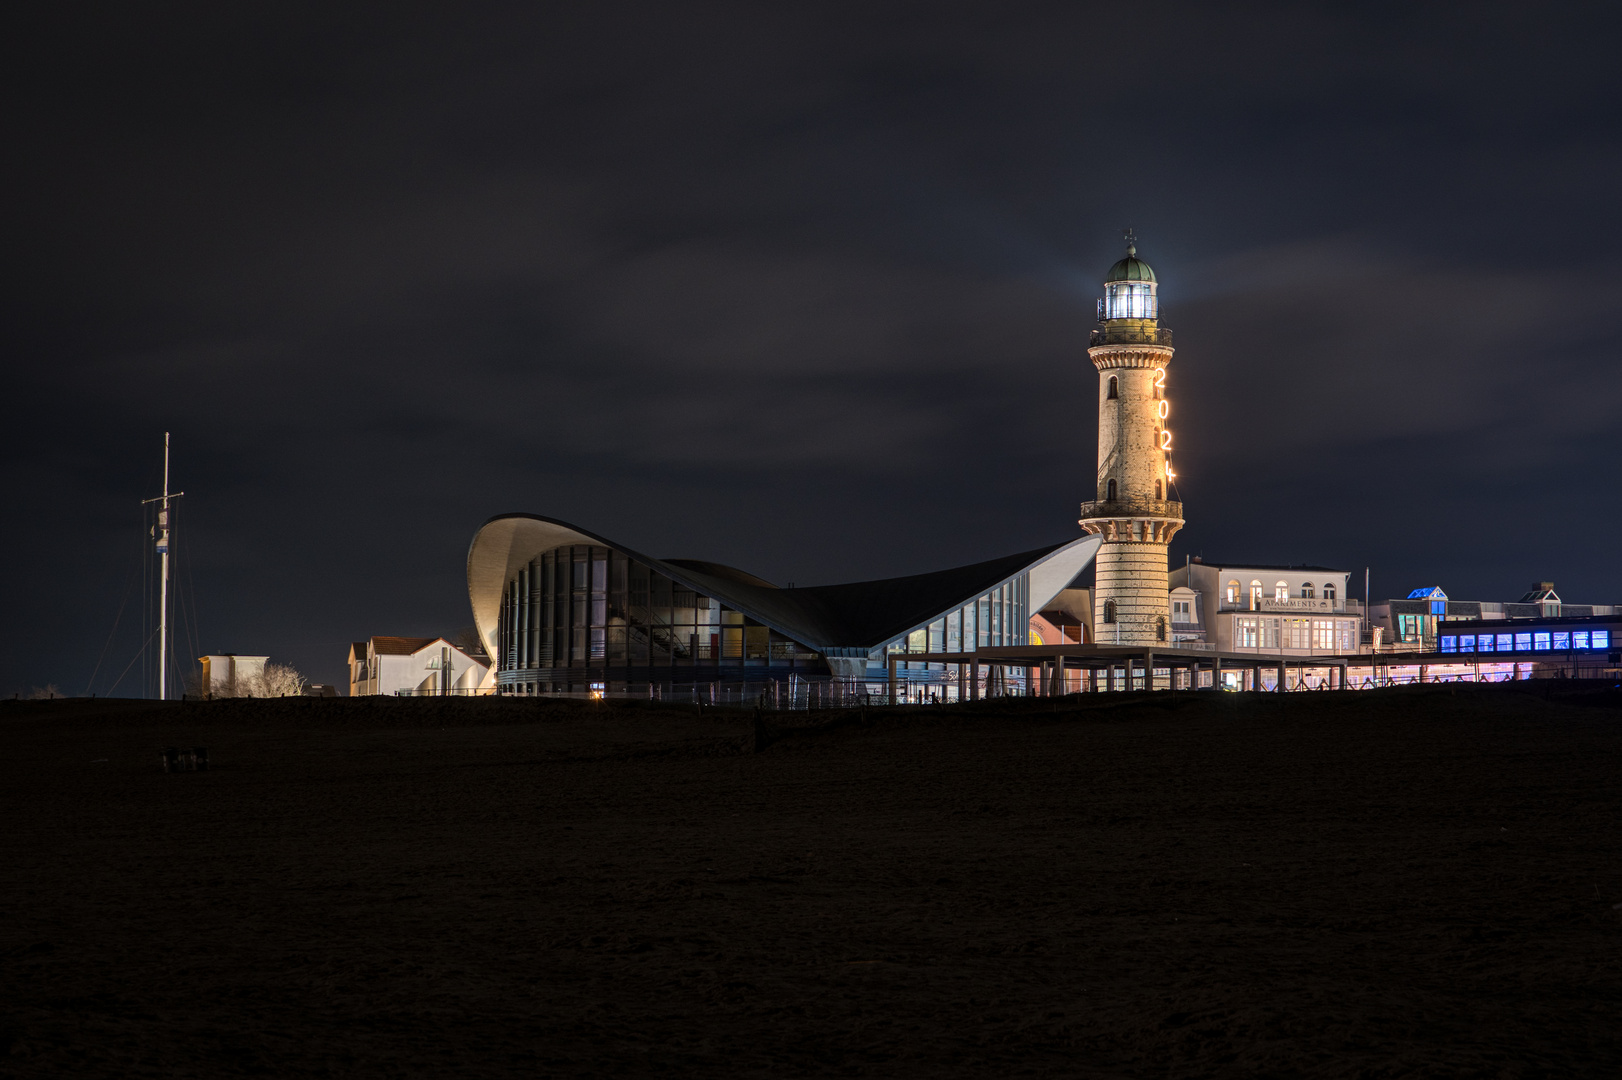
(1416, 621)
(224, 673)
(412, 666)
(1288, 610)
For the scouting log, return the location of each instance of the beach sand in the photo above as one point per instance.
(1412, 882)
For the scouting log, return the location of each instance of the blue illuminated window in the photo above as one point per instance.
(1562, 639)
(1602, 639)
(1523, 642)
(1467, 643)
(1450, 643)
(1486, 643)
(1540, 641)
(1504, 644)
(1579, 639)
(1438, 607)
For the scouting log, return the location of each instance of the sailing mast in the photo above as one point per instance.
(161, 532)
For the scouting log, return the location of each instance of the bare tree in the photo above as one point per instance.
(468, 640)
(279, 680)
(275, 680)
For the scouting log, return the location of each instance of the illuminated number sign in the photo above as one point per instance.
(1162, 411)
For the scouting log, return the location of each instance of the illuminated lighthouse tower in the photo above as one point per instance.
(1134, 511)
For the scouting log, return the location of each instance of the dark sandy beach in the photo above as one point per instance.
(1407, 883)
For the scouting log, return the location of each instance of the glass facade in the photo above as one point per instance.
(998, 617)
(588, 619)
(1527, 641)
(583, 614)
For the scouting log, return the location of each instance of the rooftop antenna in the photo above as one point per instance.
(1131, 242)
(161, 533)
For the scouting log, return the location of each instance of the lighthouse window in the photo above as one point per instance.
(1114, 389)
(1129, 300)
(1109, 611)
(1110, 492)
(1160, 629)
(1157, 490)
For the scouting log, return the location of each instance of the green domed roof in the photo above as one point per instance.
(1130, 268)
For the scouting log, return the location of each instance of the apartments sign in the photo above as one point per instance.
(1299, 604)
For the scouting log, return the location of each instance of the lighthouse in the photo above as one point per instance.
(1133, 508)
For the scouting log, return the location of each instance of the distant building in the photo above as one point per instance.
(1420, 620)
(562, 610)
(413, 666)
(224, 673)
(1279, 610)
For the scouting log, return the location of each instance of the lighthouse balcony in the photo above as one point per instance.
(1130, 335)
(1133, 507)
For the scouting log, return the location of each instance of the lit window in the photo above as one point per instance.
(1523, 642)
(1281, 590)
(1504, 643)
(1540, 641)
(1449, 643)
(1233, 592)
(1602, 639)
(1485, 644)
(1562, 639)
(1255, 596)
(1579, 639)
(1467, 643)
(1306, 590)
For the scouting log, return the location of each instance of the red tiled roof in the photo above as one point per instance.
(400, 646)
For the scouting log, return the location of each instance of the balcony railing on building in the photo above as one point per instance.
(1295, 605)
(1121, 335)
(1133, 506)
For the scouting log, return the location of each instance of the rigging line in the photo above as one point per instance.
(131, 664)
(129, 582)
(110, 634)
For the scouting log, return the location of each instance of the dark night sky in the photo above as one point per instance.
(807, 292)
